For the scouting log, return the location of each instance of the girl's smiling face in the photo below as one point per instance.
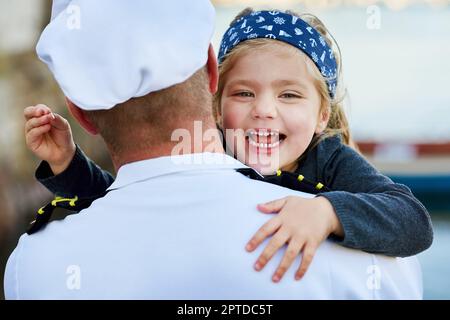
(271, 95)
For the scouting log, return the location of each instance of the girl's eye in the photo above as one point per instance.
(244, 94)
(290, 96)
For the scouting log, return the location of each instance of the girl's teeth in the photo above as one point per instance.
(264, 133)
(264, 145)
(253, 140)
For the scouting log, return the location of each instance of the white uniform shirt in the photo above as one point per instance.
(169, 230)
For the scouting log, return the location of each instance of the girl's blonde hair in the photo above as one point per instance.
(338, 123)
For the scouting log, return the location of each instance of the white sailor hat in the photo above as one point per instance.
(105, 52)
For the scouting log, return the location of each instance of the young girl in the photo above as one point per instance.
(280, 81)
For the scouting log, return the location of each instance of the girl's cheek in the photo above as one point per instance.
(299, 122)
(232, 117)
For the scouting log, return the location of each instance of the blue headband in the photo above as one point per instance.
(287, 28)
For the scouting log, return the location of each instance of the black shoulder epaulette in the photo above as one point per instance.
(73, 204)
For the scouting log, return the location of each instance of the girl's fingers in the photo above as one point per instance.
(37, 122)
(36, 111)
(32, 112)
(272, 206)
(307, 257)
(59, 122)
(34, 134)
(291, 253)
(28, 112)
(269, 228)
(42, 108)
(277, 241)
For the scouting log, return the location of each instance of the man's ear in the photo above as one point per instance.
(81, 117)
(213, 71)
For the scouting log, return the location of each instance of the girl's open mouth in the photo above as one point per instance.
(264, 139)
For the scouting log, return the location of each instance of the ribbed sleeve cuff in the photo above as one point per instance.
(53, 183)
(337, 200)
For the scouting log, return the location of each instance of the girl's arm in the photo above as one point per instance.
(377, 215)
(64, 170)
(82, 178)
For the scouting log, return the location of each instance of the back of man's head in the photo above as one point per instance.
(153, 118)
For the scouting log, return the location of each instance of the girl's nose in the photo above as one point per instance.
(264, 110)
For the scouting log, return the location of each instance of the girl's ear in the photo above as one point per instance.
(324, 117)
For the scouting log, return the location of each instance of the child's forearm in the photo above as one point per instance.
(390, 222)
(335, 224)
(377, 215)
(59, 167)
(81, 177)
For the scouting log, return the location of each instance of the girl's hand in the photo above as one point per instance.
(302, 223)
(49, 137)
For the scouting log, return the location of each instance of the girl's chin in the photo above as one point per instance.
(266, 166)
(264, 159)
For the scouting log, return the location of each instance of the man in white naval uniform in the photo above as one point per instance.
(172, 226)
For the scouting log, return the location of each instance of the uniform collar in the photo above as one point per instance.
(147, 169)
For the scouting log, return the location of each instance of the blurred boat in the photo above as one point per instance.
(423, 167)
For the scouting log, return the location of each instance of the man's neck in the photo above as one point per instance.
(184, 141)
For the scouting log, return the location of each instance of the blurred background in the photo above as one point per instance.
(396, 67)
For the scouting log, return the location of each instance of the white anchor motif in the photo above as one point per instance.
(271, 36)
(274, 13)
(285, 34)
(248, 30)
(309, 30)
(294, 19)
(260, 19)
(313, 42)
(230, 31)
(244, 24)
(268, 28)
(298, 31)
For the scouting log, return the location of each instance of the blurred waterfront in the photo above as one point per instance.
(397, 77)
